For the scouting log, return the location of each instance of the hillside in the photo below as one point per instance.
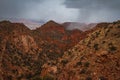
(19, 52)
(57, 39)
(52, 52)
(24, 51)
(96, 57)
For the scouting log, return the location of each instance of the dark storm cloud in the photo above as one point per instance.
(96, 10)
(61, 10)
(37, 10)
(14, 8)
(93, 4)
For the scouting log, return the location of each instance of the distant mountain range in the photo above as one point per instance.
(77, 25)
(29, 23)
(68, 25)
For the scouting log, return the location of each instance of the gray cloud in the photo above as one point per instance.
(37, 10)
(14, 8)
(96, 10)
(93, 4)
(61, 10)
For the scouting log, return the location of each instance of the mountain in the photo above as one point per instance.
(96, 57)
(29, 23)
(52, 52)
(19, 53)
(56, 34)
(24, 51)
(78, 25)
(51, 26)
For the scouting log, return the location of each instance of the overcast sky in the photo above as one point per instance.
(61, 10)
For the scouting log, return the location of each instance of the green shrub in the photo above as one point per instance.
(88, 78)
(103, 42)
(102, 78)
(97, 34)
(79, 63)
(96, 46)
(64, 62)
(118, 26)
(42, 78)
(112, 48)
(37, 78)
(83, 71)
(48, 77)
(87, 64)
